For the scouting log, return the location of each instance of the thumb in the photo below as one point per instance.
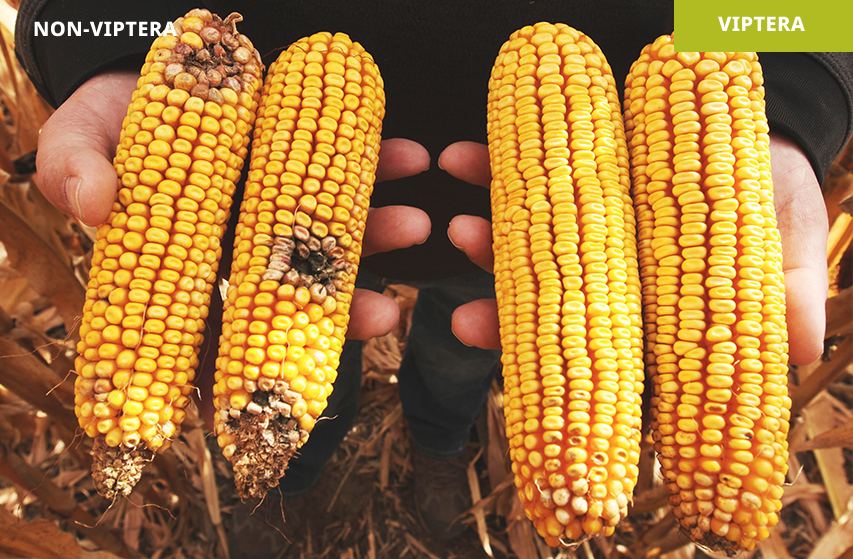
(77, 144)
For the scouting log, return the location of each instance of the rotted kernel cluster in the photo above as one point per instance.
(308, 261)
(211, 56)
(713, 293)
(297, 251)
(155, 259)
(567, 281)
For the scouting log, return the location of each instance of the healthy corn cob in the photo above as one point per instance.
(182, 146)
(713, 293)
(296, 254)
(567, 283)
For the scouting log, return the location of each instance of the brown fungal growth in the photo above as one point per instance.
(117, 469)
(306, 260)
(212, 55)
(267, 437)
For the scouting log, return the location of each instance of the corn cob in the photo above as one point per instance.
(567, 284)
(181, 149)
(296, 254)
(713, 293)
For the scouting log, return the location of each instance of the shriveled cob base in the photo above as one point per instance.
(117, 469)
(181, 149)
(266, 438)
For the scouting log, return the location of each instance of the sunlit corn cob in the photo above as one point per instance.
(567, 283)
(713, 293)
(314, 156)
(181, 149)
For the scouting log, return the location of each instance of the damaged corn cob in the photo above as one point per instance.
(296, 254)
(182, 146)
(713, 292)
(567, 283)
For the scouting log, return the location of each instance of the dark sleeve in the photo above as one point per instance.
(58, 65)
(810, 98)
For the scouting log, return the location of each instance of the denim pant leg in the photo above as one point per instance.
(306, 466)
(443, 383)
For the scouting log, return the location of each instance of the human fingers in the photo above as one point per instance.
(473, 236)
(476, 324)
(467, 161)
(77, 144)
(371, 314)
(389, 228)
(392, 227)
(399, 157)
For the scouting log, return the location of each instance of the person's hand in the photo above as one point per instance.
(802, 223)
(801, 213)
(475, 323)
(388, 228)
(75, 173)
(77, 144)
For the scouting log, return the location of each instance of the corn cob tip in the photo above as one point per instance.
(265, 439)
(117, 469)
(209, 55)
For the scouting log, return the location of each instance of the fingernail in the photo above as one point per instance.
(460, 341)
(72, 194)
(452, 243)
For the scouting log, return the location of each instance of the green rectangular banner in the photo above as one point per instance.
(763, 25)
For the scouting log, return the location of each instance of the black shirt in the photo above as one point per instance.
(435, 58)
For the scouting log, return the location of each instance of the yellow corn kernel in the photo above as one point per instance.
(713, 292)
(566, 278)
(296, 252)
(180, 153)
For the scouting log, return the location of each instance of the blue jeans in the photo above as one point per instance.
(443, 383)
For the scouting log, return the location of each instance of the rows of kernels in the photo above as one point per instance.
(711, 267)
(312, 169)
(566, 281)
(156, 257)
